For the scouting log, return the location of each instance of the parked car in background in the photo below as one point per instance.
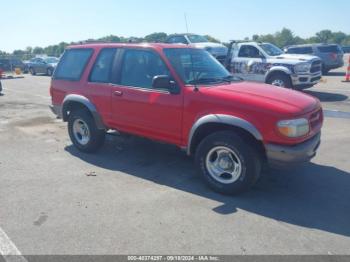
(10, 64)
(219, 51)
(346, 49)
(331, 55)
(266, 63)
(181, 95)
(42, 65)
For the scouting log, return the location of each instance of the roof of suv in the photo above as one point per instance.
(310, 45)
(158, 46)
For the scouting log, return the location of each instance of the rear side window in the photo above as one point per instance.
(329, 49)
(72, 64)
(249, 51)
(102, 68)
(300, 50)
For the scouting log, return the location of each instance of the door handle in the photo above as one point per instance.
(117, 93)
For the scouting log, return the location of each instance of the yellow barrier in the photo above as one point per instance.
(18, 71)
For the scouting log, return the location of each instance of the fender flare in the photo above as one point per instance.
(278, 69)
(222, 119)
(87, 103)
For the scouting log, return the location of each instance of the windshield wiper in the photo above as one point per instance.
(226, 79)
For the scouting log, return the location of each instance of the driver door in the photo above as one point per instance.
(250, 64)
(139, 108)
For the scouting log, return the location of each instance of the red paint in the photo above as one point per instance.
(169, 118)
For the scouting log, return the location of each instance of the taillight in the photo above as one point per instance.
(333, 56)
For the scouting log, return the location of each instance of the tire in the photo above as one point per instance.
(32, 71)
(325, 71)
(238, 151)
(84, 133)
(49, 71)
(281, 80)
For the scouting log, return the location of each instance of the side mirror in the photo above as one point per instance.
(164, 82)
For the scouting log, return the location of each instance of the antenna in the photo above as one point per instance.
(186, 22)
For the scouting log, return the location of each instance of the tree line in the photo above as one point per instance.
(282, 38)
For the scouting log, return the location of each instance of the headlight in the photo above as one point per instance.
(294, 128)
(302, 68)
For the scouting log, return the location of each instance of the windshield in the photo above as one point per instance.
(271, 49)
(197, 39)
(51, 60)
(196, 66)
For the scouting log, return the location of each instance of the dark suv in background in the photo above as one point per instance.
(331, 54)
(9, 64)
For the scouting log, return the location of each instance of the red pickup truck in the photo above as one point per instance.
(183, 96)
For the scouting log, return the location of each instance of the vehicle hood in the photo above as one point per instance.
(265, 97)
(294, 58)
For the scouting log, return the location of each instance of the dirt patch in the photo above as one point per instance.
(39, 126)
(37, 121)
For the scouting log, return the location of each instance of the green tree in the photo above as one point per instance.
(38, 51)
(324, 36)
(338, 37)
(156, 38)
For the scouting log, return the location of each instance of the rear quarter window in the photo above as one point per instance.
(300, 50)
(329, 49)
(72, 64)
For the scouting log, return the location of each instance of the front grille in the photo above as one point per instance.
(316, 67)
(316, 119)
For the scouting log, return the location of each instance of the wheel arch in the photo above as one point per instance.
(277, 70)
(72, 102)
(213, 123)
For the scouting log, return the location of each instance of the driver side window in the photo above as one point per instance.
(249, 52)
(139, 67)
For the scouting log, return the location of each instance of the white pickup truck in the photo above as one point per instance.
(266, 63)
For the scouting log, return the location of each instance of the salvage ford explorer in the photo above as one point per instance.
(184, 96)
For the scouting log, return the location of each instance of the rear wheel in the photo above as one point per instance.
(228, 164)
(83, 131)
(325, 71)
(32, 71)
(281, 80)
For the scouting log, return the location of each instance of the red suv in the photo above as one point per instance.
(183, 96)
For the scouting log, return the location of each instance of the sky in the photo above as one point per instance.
(41, 23)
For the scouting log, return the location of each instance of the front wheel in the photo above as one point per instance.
(228, 164)
(84, 133)
(325, 71)
(281, 80)
(49, 71)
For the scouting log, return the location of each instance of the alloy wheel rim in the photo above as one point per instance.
(278, 82)
(224, 165)
(81, 132)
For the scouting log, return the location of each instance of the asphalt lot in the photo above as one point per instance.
(141, 197)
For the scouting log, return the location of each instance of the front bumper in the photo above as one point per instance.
(306, 80)
(279, 155)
